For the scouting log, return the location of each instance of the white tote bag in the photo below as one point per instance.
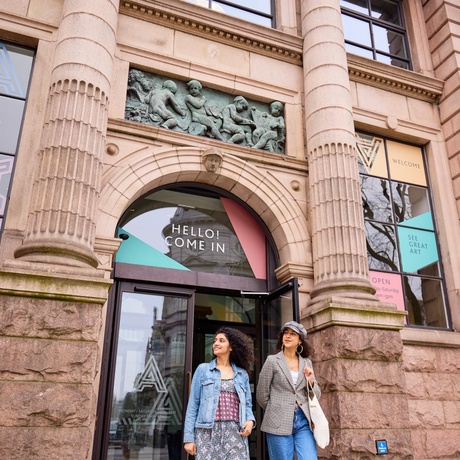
(320, 425)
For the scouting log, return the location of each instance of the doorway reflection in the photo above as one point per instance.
(147, 403)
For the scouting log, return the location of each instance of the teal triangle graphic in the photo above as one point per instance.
(424, 221)
(135, 251)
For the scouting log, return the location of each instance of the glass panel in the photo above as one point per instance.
(209, 307)
(389, 41)
(388, 288)
(425, 302)
(371, 155)
(411, 206)
(406, 163)
(15, 68)
(356, 30)
(375, 193)
(382, 253)
(10, 123)
(391, 61)
(6, 168)
(251, 17)
(275, 313)
(386, 10)
(146, 413)
(356, 5)
(263, 6)
(359, 51)
(418, 249)
(184, 231)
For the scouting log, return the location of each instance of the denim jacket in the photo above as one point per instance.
(204, 396)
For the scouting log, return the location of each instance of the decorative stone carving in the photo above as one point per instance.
(212, 160)
(188, 107)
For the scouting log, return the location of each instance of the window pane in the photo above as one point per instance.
(10, 123)
(356, 30)
(382, 252)
(386, 10)
(425, 302)
(392, 61)
(146, 412)
(15, 65)
(6, 168)
(371, 155)
(264, 6)
(356, 5)
(376, 199)
(389, 41)
(184, 231)
(359, 51)
(236, 12)
(411, 206)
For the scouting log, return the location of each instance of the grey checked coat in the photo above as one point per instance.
(277, 394)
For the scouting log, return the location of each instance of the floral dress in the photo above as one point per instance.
(223, 441)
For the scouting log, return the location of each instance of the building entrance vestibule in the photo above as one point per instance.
(166, 305)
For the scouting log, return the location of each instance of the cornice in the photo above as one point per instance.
(394, 79)
(226, 29)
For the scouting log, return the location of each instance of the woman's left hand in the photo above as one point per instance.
(309, 375)
(247, 428)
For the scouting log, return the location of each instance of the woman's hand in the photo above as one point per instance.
(247, 428)
(190, 448)
(309, 375)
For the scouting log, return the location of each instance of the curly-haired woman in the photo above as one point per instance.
(219, 415)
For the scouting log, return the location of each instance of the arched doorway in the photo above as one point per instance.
(191, 260)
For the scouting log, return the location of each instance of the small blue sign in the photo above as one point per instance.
(382, 447)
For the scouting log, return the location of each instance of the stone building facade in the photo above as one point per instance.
(170, 166)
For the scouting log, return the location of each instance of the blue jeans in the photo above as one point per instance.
(301, 441)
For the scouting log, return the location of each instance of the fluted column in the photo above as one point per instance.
(61, 224)
(338, 235)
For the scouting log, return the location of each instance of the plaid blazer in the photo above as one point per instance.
(277, 394)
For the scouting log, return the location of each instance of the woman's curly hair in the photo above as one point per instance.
(242, 354)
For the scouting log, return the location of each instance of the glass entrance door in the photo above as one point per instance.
(150, 372)
(161, 334)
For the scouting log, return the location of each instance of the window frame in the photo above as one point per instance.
(395, 224)
(371, 22)
(270, 16)
(23, 99)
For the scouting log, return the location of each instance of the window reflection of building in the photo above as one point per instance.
(149, 415)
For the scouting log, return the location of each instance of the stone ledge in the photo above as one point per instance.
(20, 282)
(219, 27)
(395, 79)
(344, 312)
(430, 337)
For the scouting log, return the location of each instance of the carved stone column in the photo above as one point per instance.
(357, 348)
(61, 224)
(338, 236)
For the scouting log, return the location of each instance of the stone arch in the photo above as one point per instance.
(147, 168)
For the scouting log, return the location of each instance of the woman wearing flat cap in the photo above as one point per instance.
(282, 393)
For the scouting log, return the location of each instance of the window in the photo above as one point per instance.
(183, 229)
(402, 247)
(15, 68)
(375, 29)
(258, 11)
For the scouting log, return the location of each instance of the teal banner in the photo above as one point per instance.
(418, 249)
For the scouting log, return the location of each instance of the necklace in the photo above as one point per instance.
(293, 363)
(226, 372)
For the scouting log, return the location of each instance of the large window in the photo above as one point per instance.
(375, 29)
(402, 246)
(15, 68)
(256, 11)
